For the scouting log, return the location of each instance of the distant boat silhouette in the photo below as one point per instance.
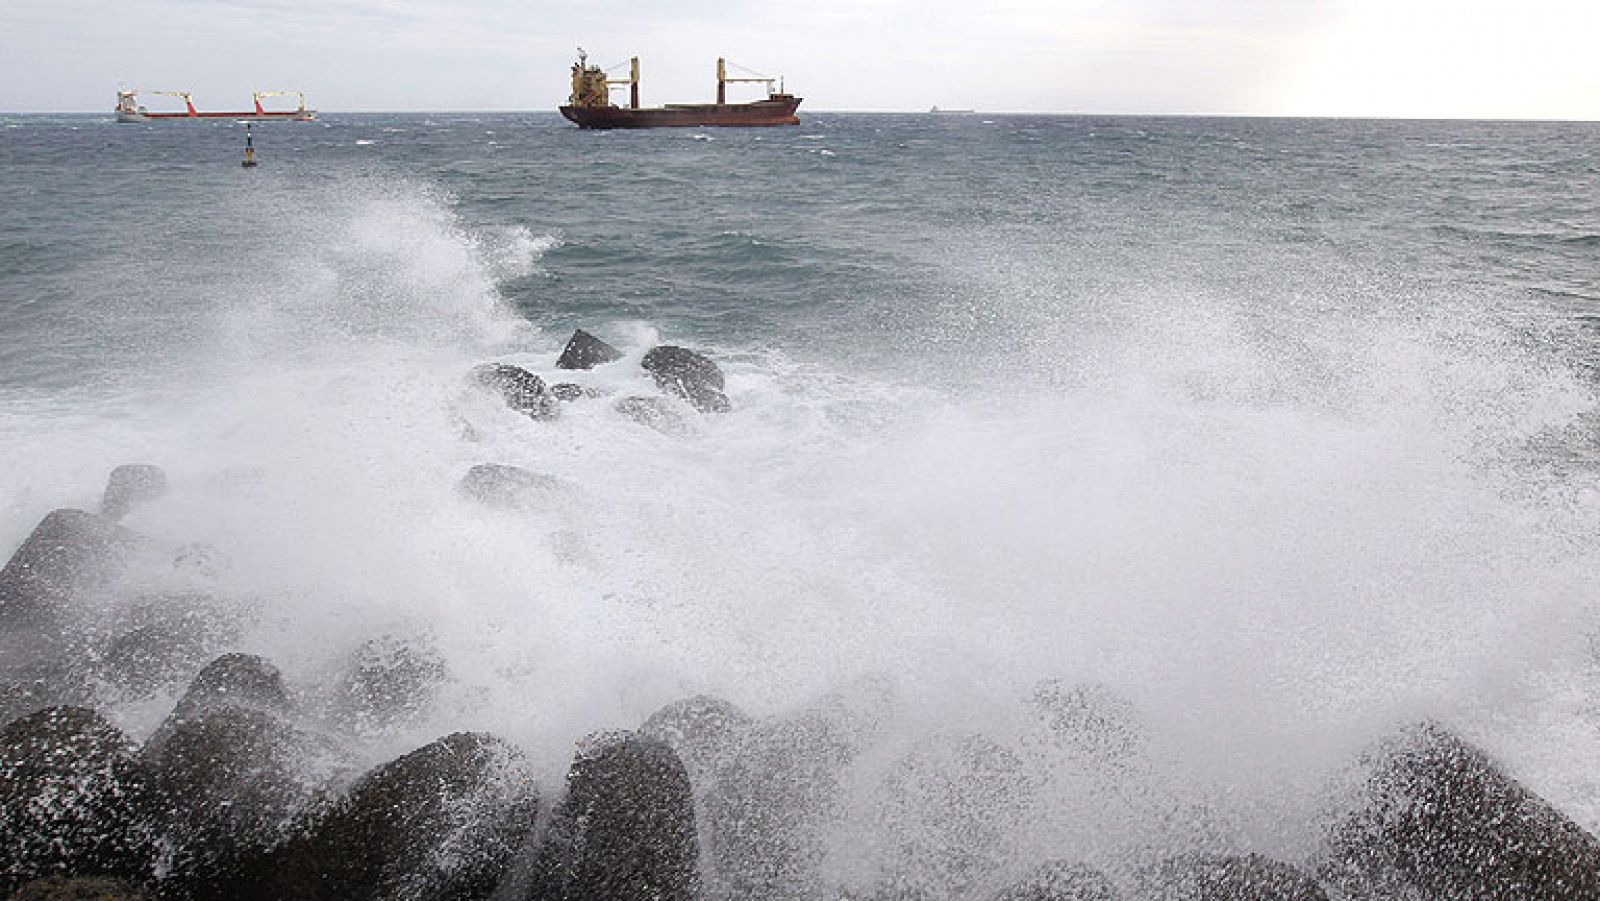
(939, 112)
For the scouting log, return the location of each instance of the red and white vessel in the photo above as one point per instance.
(129, 110)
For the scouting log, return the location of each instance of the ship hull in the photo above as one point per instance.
(289, 116)
(777, 110)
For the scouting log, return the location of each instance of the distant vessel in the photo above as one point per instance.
(129, 110)
(590, 104)
(950, 112)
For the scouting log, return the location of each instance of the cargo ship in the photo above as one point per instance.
(129, 110)
(590, 104)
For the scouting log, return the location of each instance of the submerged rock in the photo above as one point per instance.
(1246, 877)
(1439, 816)
(73, 800)
(626, 829)
(442, 822)
(520, 389)
(704, 731)
(774, 800)
(1091, 719)
(689, 375)
(585, 351)
(69, 555)
(499, 485)
(947, 813)
(130, 485)
(389, 683)
(655, 412)
(1061, 881)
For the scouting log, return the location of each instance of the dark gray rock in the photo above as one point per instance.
(442, 822)
(130, 485)
(1062, 881)
(58, 889)
(1439, 816)
(626, 829)
(689, 375)
(1243, 877)
(704, 731)
(389, 683)
(585, 351)
(48, 680)
(521, 390)
(69, 555)
(228, 783)
(73, 800)
(655, 412)
(566, 391)
(499, 485)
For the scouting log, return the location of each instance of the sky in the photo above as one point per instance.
(1514, 59)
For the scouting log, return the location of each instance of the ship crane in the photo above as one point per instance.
(260, 94)
(188, 101)
(723, 80)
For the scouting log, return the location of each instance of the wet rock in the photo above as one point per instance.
(520, 389)
(1091, 719)
(73, 800)
(147, 659)
(499, 485)
(1440, 817)
(442, 822)
(948, 812)
(1247, 877)
(702, 730)
(234, 682)
(70, 554)
(228, 783)
(389, 683)
(566, 391)
(773, 802)
(689, 375)
(1062, 881)
(31, 685)
(130, 485)
(59, 889)
(626, 829)
(585, 351)
(655, 412)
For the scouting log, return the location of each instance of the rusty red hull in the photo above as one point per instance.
(775, 110)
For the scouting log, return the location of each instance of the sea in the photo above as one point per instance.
(1282, 433)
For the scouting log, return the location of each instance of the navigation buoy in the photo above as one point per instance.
(249, 149)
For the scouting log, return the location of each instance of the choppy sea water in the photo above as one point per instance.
(1284, 431)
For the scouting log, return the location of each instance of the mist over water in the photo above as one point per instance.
(1208, 415)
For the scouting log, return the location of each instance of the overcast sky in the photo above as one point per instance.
(1425, 58)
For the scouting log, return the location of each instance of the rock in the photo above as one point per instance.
(566, 391)
(147, 659)
(520, 389)
(28, 686)
(234, 682)
(948, 812)
(390, 681)
(73, 800)
(1062, 881)
(655, 412)
(130, 485)
(626, 829)
(69, 555)
(772, 803)
(689, 375)
(1091, 719)
(585, 351)
(441, 822)
(59, 889)
(702, 730)
(1440, 817)
(229, 781)
(499, 485)
(1247, 877)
